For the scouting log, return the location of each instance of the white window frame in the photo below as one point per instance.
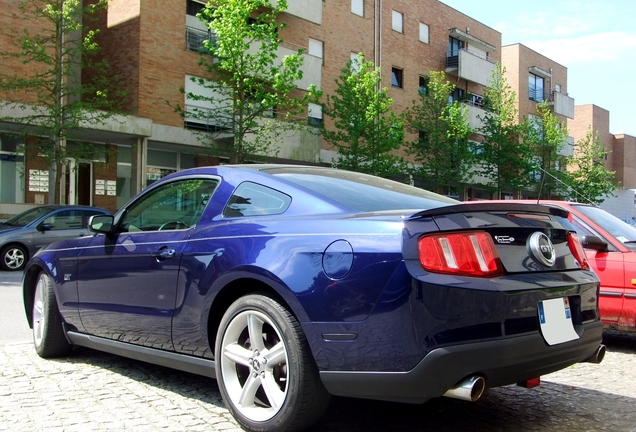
(357, 7)
(424, 33)
(397, 21)
(355, 64)
(315, 48)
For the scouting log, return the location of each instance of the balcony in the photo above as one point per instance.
(561, 104)
(475, 105)
(310, 10)
(568, 149)
(471, 61)
(470, 65)
(311, 67)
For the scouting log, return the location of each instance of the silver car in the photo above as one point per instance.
(23, 235)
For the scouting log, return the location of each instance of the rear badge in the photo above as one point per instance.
(541, 249)
(504, 239)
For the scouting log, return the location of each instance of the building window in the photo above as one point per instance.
(357, 7)
(315, 115)
(397, 22)
(194, 7)
(535, 87)
(397, 77)
(454, 46)
(315, 48)
(355, 62)
(456, 95)
(424, 33)
(423, 87)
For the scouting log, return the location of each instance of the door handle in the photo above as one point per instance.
(164, 253)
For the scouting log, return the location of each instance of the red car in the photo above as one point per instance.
(610, 246)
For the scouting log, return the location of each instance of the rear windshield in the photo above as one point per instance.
(365, 193)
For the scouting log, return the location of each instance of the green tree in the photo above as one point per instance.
(365, 130)
(504, 159)
(66, 87)
(588, 178)
(441, 151)
(548, 136)
(248, 94)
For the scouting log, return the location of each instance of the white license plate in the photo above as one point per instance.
(555, 319)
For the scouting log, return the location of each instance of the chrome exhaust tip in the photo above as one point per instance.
(598, 355)
(470, 389)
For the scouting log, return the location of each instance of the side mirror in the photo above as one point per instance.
(45, 227)
(594, 243)
(101, 224)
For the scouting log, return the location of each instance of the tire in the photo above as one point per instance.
(13, 257)
(266, 374)
(48, 333)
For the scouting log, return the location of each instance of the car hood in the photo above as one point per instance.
(7, 228)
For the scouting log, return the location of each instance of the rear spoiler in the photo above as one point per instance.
(492, 207)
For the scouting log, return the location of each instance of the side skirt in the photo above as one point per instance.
(182, 362)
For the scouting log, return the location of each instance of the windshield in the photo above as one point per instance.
(613, 225)
(365, 193)
(28, 216)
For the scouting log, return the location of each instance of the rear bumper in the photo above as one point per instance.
(501, 362)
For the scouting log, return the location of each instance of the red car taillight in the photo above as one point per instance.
(577, 250)
(470, 253)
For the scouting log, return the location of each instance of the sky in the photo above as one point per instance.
(594, 39)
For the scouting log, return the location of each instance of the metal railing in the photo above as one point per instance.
(195, 39)
(452, 57)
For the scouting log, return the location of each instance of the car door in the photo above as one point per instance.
(127, 280)
(628, 317)
(60, 225)
(609, 266)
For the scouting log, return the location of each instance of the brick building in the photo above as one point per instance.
(152, 47)
(621, 157)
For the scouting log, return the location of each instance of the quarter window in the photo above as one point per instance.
(252, 199)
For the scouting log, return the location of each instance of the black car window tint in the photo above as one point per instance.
(252, 199)
(171, 206)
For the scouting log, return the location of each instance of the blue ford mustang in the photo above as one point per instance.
(289, 284)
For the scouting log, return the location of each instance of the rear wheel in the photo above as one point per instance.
(48, 333)
(13, 257)
(266, 374)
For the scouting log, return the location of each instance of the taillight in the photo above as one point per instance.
(577, 250)
(470, 253)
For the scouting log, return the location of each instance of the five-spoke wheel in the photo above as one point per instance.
(265, 371)
(48, 333)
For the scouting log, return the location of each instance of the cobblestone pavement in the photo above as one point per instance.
(92, 391)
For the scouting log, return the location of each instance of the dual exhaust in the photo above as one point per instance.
(472, 388)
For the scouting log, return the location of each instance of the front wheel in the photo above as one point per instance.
(48, 333)
(267, 376)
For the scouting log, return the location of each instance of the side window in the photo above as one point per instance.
(172, 206)
(67, 219)
(251, 199)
